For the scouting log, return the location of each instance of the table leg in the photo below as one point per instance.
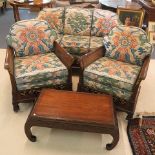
(28, 131)
(16, 13)
(115, 136)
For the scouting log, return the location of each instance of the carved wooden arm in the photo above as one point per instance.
(144, 69)
(143, 72)
(89, 58)
(9, 60)
(66, 58)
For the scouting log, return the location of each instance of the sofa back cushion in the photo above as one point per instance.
(78, 21)
(30, 37)
(127, 44)
(55, 18)
(103, 21)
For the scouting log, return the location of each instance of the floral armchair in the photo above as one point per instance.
(34, 60)
(118, 68)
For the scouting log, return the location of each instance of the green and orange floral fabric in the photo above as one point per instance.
(110, 75)
(127, 44)
(75, 45)
(55, 17)
(39, 70)
(30, 37)
(78, 21)
(103, 22)
(95, 42)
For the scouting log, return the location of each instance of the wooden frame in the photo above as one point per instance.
(151, 26)
(152, 37)
(131, 17)
(30, 95)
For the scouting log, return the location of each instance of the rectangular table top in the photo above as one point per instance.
(75, 107)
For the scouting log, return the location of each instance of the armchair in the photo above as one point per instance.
(118, 68)
(35, 60)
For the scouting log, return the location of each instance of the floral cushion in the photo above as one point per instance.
(108, 89)
(112, 73)
(59, 38)
(54, 16)
(75, 45)
(37, 70)
(30, 37)
(103, 22)
(78, 21)
(127, 44)
(95, 42)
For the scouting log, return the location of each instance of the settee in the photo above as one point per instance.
(79, 30)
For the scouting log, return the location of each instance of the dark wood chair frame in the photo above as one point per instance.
(121, 104)
(31, 94)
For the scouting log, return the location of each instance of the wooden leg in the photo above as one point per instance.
(15, 107)
(28, 132)
(115, 136)
(16, 13)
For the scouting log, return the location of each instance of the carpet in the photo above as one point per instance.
(141, 133)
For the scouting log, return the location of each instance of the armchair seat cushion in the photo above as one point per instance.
(75, 45)
(108, 89)
(39, 70)
(112, 73)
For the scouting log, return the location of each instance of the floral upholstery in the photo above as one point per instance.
(78, 21)
(75, 45)
(95, 42)
(30, 37)
(127, 44)
(111, 76)
(55, 18)
(103, 22)
(59, 38)
(39, 70)
(79, 29)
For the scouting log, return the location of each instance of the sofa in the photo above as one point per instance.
(79, 30)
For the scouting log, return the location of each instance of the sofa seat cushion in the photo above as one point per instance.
(75, 45)
(37, 70)
(55, 18)
(30, 37)
(127, 44)
(103, 22)
(112, 73)
(78, 21)
(95, 42)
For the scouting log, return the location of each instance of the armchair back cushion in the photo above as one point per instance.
(30, 37)
(55, 17)
(127, 44)
(78, 21)
(103, 22)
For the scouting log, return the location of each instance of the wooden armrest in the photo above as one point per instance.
(144, 69)
(9, 60)
(87, 59)
(61, 53)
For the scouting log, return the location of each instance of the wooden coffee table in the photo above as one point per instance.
(74, 111)
(28, 4)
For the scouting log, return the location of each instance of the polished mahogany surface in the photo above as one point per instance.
(149, 8)
(75, 106)
(114, 4)
(29, 2)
